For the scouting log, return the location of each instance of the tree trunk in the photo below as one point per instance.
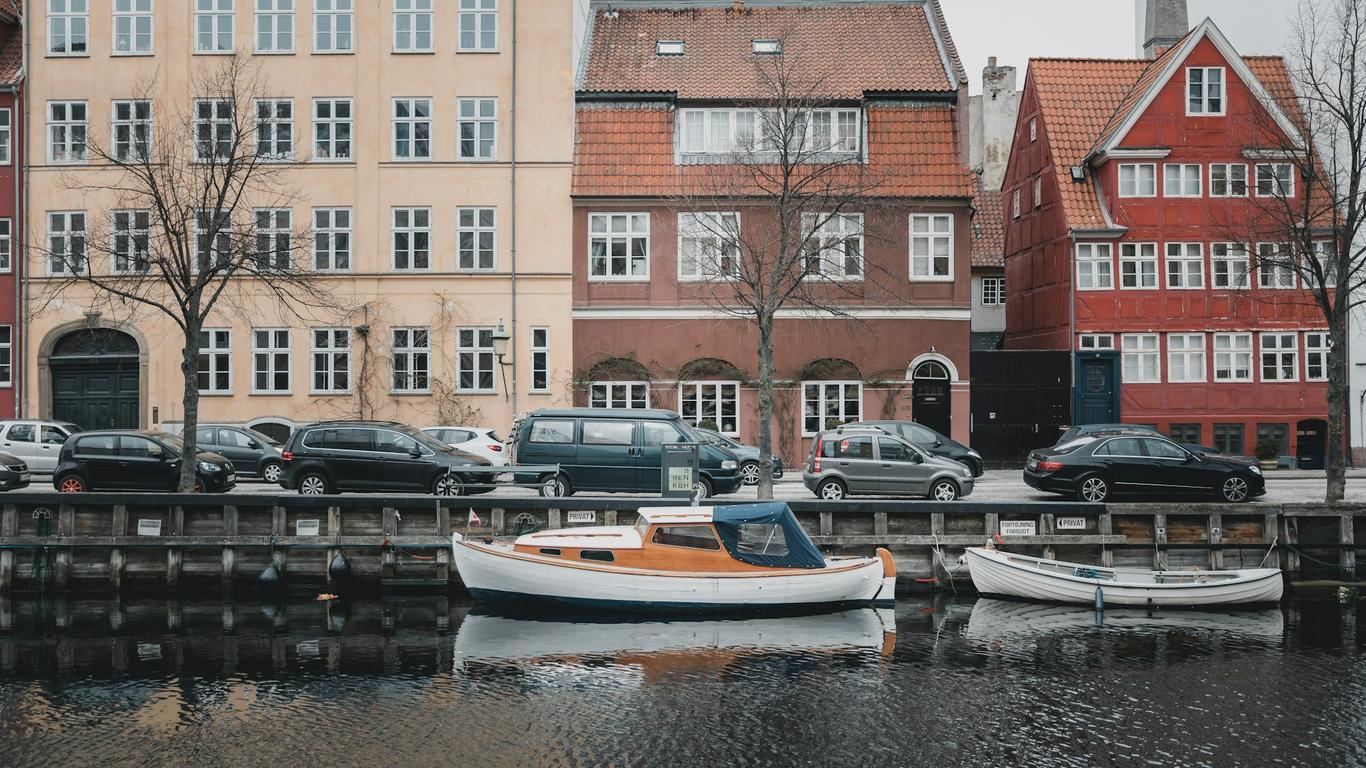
(189, 369)
(765, 404)
(1337, 406)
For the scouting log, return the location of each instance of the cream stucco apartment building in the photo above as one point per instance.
(429, 246)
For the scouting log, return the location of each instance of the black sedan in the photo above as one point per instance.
(1094, 470)
(14, 473)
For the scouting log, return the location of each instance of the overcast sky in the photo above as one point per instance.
(1016, 30)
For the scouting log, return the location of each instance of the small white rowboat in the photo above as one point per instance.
(1001, 573)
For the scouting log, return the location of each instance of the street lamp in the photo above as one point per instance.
(500, 349)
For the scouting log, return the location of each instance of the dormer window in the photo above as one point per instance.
(668, 47)
(768, 46)
(1205, 91)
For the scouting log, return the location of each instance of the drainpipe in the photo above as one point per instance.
(1072, 321)
(20, 149)
(513, 343)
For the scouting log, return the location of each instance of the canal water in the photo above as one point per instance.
(425, 681)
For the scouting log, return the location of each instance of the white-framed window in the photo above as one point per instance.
(478, 25)
(332, 239)
(1138, 180)
(540, 359)
(476, 234)
(213, 241)
(131, 244)
(1275, 180)
(1141, 362)
(668, 47)
(275, 129)
(830, 403)
(270, 361)
(1096, 341)
(618, 246)
(834, 245)
(1233, 357)
(1228, 180)
(6, 245)
(478, 128)
(133, 24)
(132, 130)
(833, 130)
(273, 232)
(1230, 265)
(1095, 267)
(474, 360)
(213, 129)
(1204, 90)
(412, 26)
(1181, 180)
(619, 394)
(333, 26)
(1325, 253)
(1185, 265)
(68, 27)
(6, 135)
(1316, 349)
(215, 361)
(66, 242)
(1137, 266)
(1033, 129)
(412, 128)
(412, 239)
(410, 359)
(331, 129)
(714, 401)
(274, 26)
(67, 128)
(766, 46)
(1274, 269)
(727, 131)
(1280, 358)
(1038, 191)
(708, 245)
(1015, 204)
(6, 356)
(214, 24)
(331, 356)
(1185, 357)
(931, 247)
(994, 291)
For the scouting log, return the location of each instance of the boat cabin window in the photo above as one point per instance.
(762, 539)
(553, 552)
(694, 536)
(602, 555)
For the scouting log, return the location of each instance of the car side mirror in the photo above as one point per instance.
(938, 443)
(252, 444)
(916, 459)
(1190, 457)
(414, 453)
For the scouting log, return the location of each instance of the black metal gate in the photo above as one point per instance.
(1020, 401)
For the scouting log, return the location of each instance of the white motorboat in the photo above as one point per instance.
(1002, 573)
(741, 557)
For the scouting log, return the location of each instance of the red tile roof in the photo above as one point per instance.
(988, 226)
(846, 50)
(11, 54)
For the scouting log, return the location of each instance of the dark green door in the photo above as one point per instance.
(1097, 389)
(96, 394)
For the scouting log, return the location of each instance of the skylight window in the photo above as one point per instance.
(768, 46)
(668, 47)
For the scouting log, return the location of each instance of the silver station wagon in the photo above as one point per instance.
(852, 461)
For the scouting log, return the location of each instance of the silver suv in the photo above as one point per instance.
(858, 461)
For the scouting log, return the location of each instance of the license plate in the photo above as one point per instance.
(232, 478)
(23, 477)
(1033, 464)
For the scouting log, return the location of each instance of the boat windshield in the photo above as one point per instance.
(642, 525)
(767, 534)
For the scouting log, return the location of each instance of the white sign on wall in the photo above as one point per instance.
(581, 516)
(306, 527)
(1019, 528)
(149, 527)
(1071, 523)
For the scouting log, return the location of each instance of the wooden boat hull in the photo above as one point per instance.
(494, 572)
(1000, 573)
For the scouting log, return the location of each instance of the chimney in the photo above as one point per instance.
(994, 122)
(1164, 23)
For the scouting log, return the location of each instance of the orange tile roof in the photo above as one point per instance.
(844, 50)
(11, 53)
(627, 151)
(988, 226)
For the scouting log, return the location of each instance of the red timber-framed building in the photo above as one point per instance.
(647, 332)
(11, 164)
(1134, 193)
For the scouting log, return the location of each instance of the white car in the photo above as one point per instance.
(38, 443)
(480, 441)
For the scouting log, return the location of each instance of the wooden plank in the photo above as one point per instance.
(389, 558)
(1348, 553)
(175, 556)
(827, 523)
(334, 531)
(118, 526)
(1290, 560)
(609, 517)
(552, 519)
(229, 554)
(443, 555)
(278, 529)
(1105, 527)
(66, 526)
(1160, 542)
(880, 523)
(497, 520)
(9, 526)
(1214, 534)
(1046, 523)
(993, 524)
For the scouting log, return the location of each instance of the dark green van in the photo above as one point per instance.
(618, 450)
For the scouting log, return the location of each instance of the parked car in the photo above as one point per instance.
(480, 441)
(37, 443)
(14, 473)
(128, 460)
(372, 456)
(851, 461)
(253, 453)
(617, 449)
(1096, 467)
(748, 455)
(930, 441)
(1097, 430)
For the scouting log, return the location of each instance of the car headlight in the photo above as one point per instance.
(729, 465)
(1256, 470)
(974, 454)
(208, 466)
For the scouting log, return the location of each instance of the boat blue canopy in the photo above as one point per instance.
(767, 534)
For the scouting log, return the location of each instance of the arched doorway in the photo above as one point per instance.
(930, 404)
(94, 375)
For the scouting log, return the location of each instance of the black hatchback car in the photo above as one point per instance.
(929, 441)
(126, 460)
(376, 456)
(1094, 469)
(14, 473)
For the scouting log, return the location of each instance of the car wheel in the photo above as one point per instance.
(944, 490)
(271, 471)
(749, 472)
(831, 490)
(313, 484)
(1094, 489)
(72, 484)
(448, 485)
(1234, 489)
(556, 487)
(703, 488)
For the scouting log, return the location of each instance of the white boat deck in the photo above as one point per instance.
(1118, 575)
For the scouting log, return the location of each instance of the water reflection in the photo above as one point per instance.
(999, 620)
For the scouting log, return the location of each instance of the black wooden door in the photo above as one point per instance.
(930, 404)
(96, 395)
(1311, 443)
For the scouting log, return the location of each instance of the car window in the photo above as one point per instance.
(231, 438)
(1161, 449)
(552, 431)
(694, 536)
(339, 439)
(96, 445)
(609, 432)
(393, 442)
(854, 448)
(922, 435)
(1121, 446)
(206, 436)
(276, 430)
(454, 436)
(20, 433)
(71, 429)
(893, 450)
(53, 436)
(134, 447)
(656, 433)
(259, 437)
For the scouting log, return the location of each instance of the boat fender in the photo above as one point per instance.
(888, 564)
(488, 539)
(269, 575)
(1100, 600)
(340, 568)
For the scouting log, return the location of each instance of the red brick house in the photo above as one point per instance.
(661, 94)
(1129, 184)
(11, 158)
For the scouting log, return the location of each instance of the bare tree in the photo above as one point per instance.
(199, 218)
